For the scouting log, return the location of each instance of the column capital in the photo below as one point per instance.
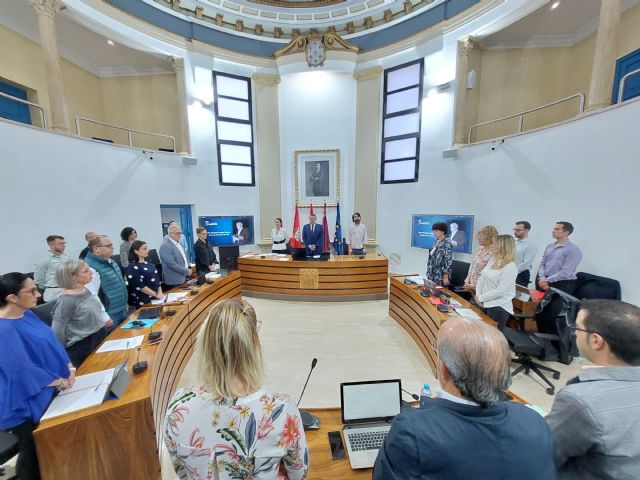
(266, 79)
(177, 64)
(47, 8)
(466, 46)
(372, 73)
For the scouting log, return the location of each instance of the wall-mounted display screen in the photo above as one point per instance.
(227, 231)
(460, 231)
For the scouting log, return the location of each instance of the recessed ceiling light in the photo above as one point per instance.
(555, 4)
(110, 42)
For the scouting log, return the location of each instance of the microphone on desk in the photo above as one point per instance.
(153, 336)
(309, 422)
(139, 366)
(167, 313)
(413, 395)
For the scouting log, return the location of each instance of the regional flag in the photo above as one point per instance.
(326, 245)
(295, 240)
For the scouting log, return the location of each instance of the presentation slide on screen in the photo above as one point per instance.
(228, 231)
(460, 231)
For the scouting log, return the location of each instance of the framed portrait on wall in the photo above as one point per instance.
(317, 177)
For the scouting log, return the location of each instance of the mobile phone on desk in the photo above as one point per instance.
(337, 447)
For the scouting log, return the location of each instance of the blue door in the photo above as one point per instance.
(16, 111)
(182, 215)
(624, 65)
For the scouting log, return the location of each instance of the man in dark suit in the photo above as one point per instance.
(206, 260)
(456, 235)
(312, 237)
(469, 432)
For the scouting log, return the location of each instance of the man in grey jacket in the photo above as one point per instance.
(596, 418)
(175, 266)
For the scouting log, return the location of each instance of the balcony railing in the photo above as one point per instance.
(521, 115)
(31, 104)
(623, 83)
(129, 131)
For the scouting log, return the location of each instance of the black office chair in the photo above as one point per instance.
(594, 286)
(554, 340)
(8, 448)
(459, 272)
(45, 311)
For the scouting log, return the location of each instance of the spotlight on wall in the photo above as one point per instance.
(111, 42)
(555, 4)
(496, 143)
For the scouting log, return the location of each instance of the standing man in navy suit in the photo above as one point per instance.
(312, 237)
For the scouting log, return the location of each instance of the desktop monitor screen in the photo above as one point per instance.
(228, 231)
(460, 231)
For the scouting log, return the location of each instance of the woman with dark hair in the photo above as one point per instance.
(33, 366)
(279, 237)
(144, 282)
(441, 256)
(230, 426)
(128, 236)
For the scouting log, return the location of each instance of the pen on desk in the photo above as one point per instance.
(127, 346)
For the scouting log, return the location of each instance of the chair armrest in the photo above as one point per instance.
(522, 315)
(546, 336)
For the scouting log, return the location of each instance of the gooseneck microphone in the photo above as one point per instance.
(139, 366)
(153, 336)
(309, 422)
(413, 395)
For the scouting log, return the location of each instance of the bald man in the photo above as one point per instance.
(469, 432)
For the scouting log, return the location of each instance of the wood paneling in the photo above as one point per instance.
(120, 438)
(340, 276)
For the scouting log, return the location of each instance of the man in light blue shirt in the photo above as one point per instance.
(559, 261)
(45, 273)
(525, 252)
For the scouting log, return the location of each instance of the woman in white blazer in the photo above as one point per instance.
(497, 283)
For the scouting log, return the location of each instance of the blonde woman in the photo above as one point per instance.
(486, 237)
(79, 319)
(230, 427)
(497, 284)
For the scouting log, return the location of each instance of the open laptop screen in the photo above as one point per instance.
(371, 401)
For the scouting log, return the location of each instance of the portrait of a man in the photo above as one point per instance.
(317, 178)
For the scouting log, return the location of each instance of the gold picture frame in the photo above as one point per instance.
(317, 177)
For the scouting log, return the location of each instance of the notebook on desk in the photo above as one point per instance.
(367, 409)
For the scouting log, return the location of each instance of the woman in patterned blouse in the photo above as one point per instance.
(486, 236)
(230, 427)
(142, 276)
(441, 257)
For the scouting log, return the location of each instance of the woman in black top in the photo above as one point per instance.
(144, 282)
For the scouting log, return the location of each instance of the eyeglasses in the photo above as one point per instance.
(32, 291)
(108, 245)
(576, 329)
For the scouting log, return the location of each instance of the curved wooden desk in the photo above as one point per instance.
(342, 277)
(420, 318)
(118, 440)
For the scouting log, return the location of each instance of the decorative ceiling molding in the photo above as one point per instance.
(298, 4)
(331, 41)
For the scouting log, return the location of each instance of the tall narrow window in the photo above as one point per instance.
(401, 117)
(234, 126)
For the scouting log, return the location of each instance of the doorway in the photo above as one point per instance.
(181, 214)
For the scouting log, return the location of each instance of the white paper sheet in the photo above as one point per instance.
(468, 313)
(172, 297)
(87, 391)
(122, 344)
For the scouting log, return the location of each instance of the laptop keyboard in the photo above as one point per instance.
(367, 440)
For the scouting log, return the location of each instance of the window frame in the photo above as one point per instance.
(385, 117)
(249, 122)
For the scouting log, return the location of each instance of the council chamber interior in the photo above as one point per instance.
(216, 115)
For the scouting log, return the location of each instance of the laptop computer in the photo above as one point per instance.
(368, 408)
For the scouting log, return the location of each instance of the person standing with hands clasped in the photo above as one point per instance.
(441, 256)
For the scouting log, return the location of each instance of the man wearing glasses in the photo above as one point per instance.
(109, 279)
(596, 418)
(525, 252)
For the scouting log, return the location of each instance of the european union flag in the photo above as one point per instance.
(337, 240)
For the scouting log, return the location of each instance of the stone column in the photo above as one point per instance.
(604, 57)
(46, 11)
(183, 143)
(267, 150)
(367, 163)
(465, 47)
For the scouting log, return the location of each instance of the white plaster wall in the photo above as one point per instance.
(584, 172)
(51, 183)
(317, 111)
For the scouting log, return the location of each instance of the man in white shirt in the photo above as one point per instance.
(45, 273)
(357, 237)
(525, 252)
(175, 266)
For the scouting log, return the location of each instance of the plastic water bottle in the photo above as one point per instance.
(425, 395)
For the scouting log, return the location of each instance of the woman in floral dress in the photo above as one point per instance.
(441, 256)
(230, 427)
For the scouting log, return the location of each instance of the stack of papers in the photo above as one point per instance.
(88, 391)
(419, 279)
(122, 344)
(172, 297)
(468, 313)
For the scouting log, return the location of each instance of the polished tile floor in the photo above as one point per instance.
(352, 341)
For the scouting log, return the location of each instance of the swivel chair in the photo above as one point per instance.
(553, 341)
(45, 311)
